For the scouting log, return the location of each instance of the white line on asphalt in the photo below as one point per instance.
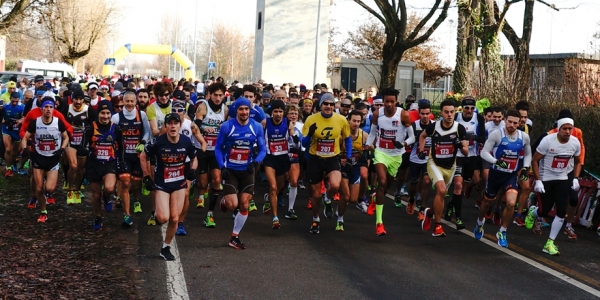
(524, 259)
(176, 285)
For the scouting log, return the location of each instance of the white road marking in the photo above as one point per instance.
(176, 285)
(524, 259)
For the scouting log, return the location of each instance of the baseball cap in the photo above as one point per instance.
(468, 100)
(15, 95)
(118, 85)
(38, 78)
(11, 85)
(179, 95)
(92, 85)
(178, 103)
(172, 116)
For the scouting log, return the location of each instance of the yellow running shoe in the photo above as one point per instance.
(200, 203)
(137, 207)
(65, 185)
(77, 197)
(70, 198)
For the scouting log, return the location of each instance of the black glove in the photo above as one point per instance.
(149, 183)
(224, 173)
(251, 168)
(25, 152)
(422, 155)
(58, 152)
(190, 174)
(312, 129)
(500, 163)
(457, 143)
(295, 139)
(294, 150)
(30, 143)
(398, 145)
(524, 174)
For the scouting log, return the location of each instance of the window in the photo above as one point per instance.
(259, 20)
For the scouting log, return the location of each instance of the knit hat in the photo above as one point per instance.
(105, 104)
(326, 97)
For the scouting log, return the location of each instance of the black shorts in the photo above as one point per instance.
(46, 163)
(557, 192)
(171, 187)
(499, 181)
(416, 171)
(238, 182)
(405, 161)
(280, 163)
(95, 171)
(207, 162)
(133, 165)
(465, 167)
(319, 167)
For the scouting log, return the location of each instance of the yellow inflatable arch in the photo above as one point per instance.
(110, 63)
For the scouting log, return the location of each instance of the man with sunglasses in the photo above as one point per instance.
(345, 107)
(466, 165)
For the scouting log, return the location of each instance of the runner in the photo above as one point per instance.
(322, 135)
(419, 179)
(277, 161)
(389, 126)
(48, 136)
(171, 151)
(136, 133)
(234, 155)
(556, 156)
(295, 153)
(502, 150)
(447, 138)
(13, 118)
(524, 186)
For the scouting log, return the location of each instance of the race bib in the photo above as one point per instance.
(77, 138)
(560, 162)
(427, 149)
(278, 147)
(211, 141)
(239, 155)
(104, 152)
(325, 147)
(385, 143)
(173, 174)
(444, 151)
(130, 146)
(47, 145)
(16, 126)
(512, 162)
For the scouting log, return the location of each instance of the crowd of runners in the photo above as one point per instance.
(206, 143)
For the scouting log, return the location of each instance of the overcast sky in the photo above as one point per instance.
(568, 30)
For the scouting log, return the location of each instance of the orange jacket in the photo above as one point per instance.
(579, 135)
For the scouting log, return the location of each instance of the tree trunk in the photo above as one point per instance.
(465, 51)
(389, 68)
(491, 66)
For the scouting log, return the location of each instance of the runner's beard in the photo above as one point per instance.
(143, 105)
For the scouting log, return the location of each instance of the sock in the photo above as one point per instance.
(166, 245)
(535, 212)
(209, 214)
(275, 218)
(518, 215)
(44, 211)
(292, 197)
(502, 229)
(317, 219)
(378, 213)
(340, 219)
(418, 197)
(457, 204)
(479, 222)
(556, 226)
(201, 196)
(568, 224)
(325, 198)
(213, 200)
(239, 221)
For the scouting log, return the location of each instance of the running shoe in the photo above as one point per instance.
(421, 216)
(166, 253)
(544, 223)
(267, 205)
(403, 191)
(200, 203)
(459, 224)
(537, 227)
(223, 206)
(152, 220)
(362, 206)
(336, 197)
(43, 217)
(235, 212)
(32, 203)
(251, 206)
(81, 196)
(519, 221)
(280, 200)
(372, 205)
(180, 229)
(85, 182)
(309, 204)
(22, 172)
(291, 214)
(497, 217)
(65, 185)
(78, 196)
(301, 184)
(98, 223)
(438, 231)
(530, 219)
(397, 200)
(50, 199)
(489, 216)
(82, 187)
(570, 232)
(418, 205)
(236, 243)
(410, 208)
(339, 226)
(314, 227)
(449, 211)
(137, 207)
(478, 231)
(550, 248)
(328, 210)
(70, 198)
(118, 202)
(426, 223)
(598, 230)
(379, 230)
(127, 221)
(501, 236)
(145, 192)
(107, 204)
(9, 172)
(209, 222)
(276, 224)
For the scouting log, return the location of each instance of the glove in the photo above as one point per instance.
(422, 155)
(139, 148)
(312, 129)
(398, 145)
(575, 185)
(523, 174)
(58, 152)
(539, 187)
(295, 139)
(30, 143)
(149, 183)
(500, 163)
(294, 150)
(457, 143)
(250, 169)
(190, 174)
(224, 173)
(25, 152)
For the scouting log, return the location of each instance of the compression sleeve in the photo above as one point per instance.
(480, 129)
(494, 139)
(411, 136)
(372, 135)
(119, 144)
(306, 142)
(220, 144)
(348, 141)
(527, 145)
(260, 141)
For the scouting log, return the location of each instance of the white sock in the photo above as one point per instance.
(503, 229)
(325, 199)
(166, 245)
(317, 219)
(238, 222)
(556, 227)
(292, 197)
(340, 219)
(535, 212)
(479, 222)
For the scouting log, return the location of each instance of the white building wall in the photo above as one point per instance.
(285, 42)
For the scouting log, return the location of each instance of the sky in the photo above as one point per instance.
(565, 31)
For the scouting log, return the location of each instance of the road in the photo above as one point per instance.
(356, 264)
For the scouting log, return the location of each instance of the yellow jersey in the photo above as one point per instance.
(325, 142)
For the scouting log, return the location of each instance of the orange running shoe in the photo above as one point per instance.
(323, 189)
(426, 222)
(410, 208)
(309, 204)
(43, 218)
(336, 197)
(380, 230)
(371, 208)
(421, 216)
(438, 231)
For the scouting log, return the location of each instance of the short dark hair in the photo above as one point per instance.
(487, 110)
(355, 112)
(217, 86)
(497, 109)
(521, 105)
(389, 92)
(360, 106)
(249, 88)
(513, 113)
(447, 102)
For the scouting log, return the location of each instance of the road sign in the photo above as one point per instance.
(212, 65)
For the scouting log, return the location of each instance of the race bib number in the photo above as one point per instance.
(512, 163)
(560, 162)
(211, 141)
(16, 126)
(385, 143)
(427, 149)
(104, 152)
(444, 151)
(325, 147)
(47, 145)
(239, 156)
(278, 147)
(130, 146)
(173, 174)
(77, 138)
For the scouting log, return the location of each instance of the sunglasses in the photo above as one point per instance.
(27, 98)
(165, 95)
(328, 104)
(469, 107)
(346, 105)
(119, 106)
(178, 110)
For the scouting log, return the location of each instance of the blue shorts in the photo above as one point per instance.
(354, 176)
(499, 181)
(14, 135)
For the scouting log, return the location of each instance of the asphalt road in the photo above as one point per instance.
(357, 264)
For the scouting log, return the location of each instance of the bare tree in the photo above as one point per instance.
(13, 10)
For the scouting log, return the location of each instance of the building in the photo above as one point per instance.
(286, 38)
